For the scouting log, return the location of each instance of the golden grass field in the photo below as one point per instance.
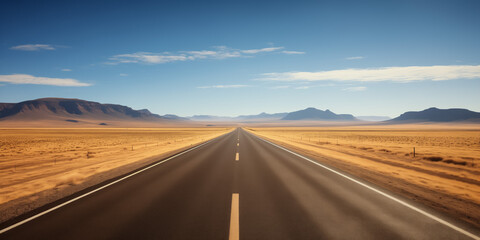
(444, 174)
(38, 166)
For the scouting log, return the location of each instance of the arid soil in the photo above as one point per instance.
(38, 166)
(444, 174)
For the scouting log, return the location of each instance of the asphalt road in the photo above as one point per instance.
(237, 186)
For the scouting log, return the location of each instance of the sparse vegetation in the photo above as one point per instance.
(434, 159)
(463, 163)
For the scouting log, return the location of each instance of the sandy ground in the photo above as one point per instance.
(444, 174)
(38, 166)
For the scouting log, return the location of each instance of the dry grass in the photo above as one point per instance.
(36, 160)
(443, 174)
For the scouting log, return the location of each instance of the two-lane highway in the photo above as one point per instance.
(238, 186)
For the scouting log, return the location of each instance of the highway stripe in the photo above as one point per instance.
(234, 218)
(102, 187)
(431, 216)
(237, 157)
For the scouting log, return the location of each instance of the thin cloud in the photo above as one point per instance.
(293, 52)
(355, 58)
(255, 51)
(355, 89)
(29, 79)
(219, 52)
(66, 70)
(33, 47)
(123, 74)
(224, 86)
(302, 87)
(386, 74)
(146, 57)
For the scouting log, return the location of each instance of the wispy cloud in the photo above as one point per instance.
(33, 47)
(386, 74)
(219, 52)
(302, 87)
(123, 74)
(255, 51)
(293, 52)
(29, 79)
(225, 86)
(146, 57)
(355, 58)
(66, 70)
(355, 89)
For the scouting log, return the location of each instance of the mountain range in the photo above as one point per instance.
(316, 114)
(438, 115)
(77, 110)
(258, 117)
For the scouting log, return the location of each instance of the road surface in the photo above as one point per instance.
(236, 187)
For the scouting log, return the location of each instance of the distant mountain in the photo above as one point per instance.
(166, 116)
(373, 118)
(5, 106)
(439, 115)
(263, 115)
(73, 110)
(259, 117)
(210, 118)
(316, 114)
(174, 117)
(147, 112)
(306, 114)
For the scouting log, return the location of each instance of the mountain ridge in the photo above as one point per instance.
(72, 110)
(76, 110)
(434, 114)
(316, 114)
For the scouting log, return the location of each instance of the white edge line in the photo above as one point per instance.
(102, 187)
(378, 191)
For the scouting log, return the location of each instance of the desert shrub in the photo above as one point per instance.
(365, 148)
(433, 159)
(456, 162)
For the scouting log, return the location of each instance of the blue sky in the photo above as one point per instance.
(244, 57)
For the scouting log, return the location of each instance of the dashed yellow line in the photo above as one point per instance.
(234, 218)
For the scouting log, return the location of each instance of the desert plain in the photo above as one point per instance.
(444, 174)
(42, 165)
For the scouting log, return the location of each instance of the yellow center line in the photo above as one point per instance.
(234, 218)
(237, 157)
